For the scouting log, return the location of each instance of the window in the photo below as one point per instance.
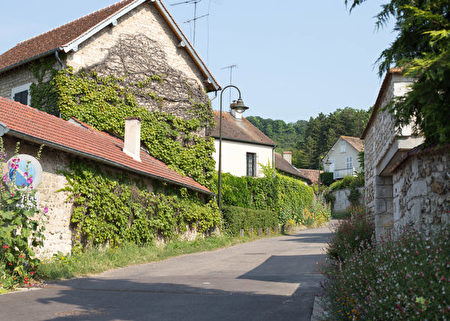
(251, 164)
(343, 147)
(349, 162)
(21, 94)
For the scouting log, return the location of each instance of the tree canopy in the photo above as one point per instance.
(422, 50)
(310, 140)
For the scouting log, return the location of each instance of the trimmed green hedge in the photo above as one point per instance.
(236, 218)
(280, 194)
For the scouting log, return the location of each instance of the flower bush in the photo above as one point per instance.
(406, 279)
(20, 230)
(350, 236)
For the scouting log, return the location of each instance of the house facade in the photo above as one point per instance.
(342, 159)
(244, 147)
(405, 183)
(68, 141)
(136, 41)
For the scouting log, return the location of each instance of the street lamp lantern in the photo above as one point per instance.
(238, 108)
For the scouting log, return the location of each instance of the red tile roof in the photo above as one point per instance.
(61, 36)
(58, 37)
(239, 130)
(311, 174)
(356, 142)
(31, 124)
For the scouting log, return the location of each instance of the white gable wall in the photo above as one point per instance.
(234, 157)
(340, 159)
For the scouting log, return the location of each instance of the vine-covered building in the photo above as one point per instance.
(67, 143)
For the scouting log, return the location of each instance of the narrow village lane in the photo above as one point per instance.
(268, 279)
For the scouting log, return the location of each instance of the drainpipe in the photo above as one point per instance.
(3, 129)
(58, 59)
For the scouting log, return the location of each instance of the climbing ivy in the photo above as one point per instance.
(105, 102)
(112, 209)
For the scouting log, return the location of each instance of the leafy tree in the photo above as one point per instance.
(422, 50)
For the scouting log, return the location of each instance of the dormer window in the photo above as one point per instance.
(21, 94)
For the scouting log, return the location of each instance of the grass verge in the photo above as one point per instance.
(99, 260)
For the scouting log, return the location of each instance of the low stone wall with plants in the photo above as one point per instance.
(346, 193)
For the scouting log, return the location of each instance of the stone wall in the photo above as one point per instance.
(58, 235)
(141, 46)
(421, 191)
(341, 203)
(15, 78)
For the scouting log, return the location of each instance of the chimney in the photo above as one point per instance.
(132, 140)
(287, 155)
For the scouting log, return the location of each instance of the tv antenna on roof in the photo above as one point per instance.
(194, 2)
(231, 67)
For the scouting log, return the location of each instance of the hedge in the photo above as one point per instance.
(280, 194)
(237, 218)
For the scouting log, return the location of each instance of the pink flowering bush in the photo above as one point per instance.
(405, 279)
(350, 236)
(20, 230)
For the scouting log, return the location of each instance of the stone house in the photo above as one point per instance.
(405, 183)
(244, 147)
(67, 141)
(135, 40)
(342, 158)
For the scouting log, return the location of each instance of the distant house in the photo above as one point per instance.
(135, 40)
(405, 184)
(342, 158)
(66, 141)
(244, 147)
(283, 164)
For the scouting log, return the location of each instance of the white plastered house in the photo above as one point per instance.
(342, 159)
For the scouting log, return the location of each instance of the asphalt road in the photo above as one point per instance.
(269, 279)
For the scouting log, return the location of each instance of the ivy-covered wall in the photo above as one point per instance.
(110, 208)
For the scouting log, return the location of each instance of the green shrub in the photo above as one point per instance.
(280, 194)
(237, 218)
(405, 279)
(348, 182)
(350, 236)
(20, 226)
(326, 178)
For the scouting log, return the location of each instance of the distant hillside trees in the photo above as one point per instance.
(311, 140)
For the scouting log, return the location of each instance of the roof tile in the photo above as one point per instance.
(61, 134)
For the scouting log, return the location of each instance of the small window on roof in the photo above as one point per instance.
(21, 94)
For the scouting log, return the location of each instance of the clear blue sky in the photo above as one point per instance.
(295, 58)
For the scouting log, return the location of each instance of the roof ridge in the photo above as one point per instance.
(72, 21)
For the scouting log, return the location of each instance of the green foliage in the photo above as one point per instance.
(20, 228)
(105, 102)
(237, 218)
(280, 194)
(405, 279)
(422, 49)
(310, 140)
(317, 214)
(326, 178)
(348, 182)
(354, 196)
(350, 236)
(111, 209)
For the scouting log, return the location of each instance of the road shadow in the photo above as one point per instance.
(108, 300)
(309, 238)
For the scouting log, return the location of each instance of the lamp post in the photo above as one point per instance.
(239, 107)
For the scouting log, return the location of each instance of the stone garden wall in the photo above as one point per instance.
(421, 191)
(341, 203)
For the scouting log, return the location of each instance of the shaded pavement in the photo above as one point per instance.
(268, 279)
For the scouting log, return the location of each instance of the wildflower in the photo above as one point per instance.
(32, 273)
(5, 246)
(21, 256)
(9, 263)
(46, 210)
